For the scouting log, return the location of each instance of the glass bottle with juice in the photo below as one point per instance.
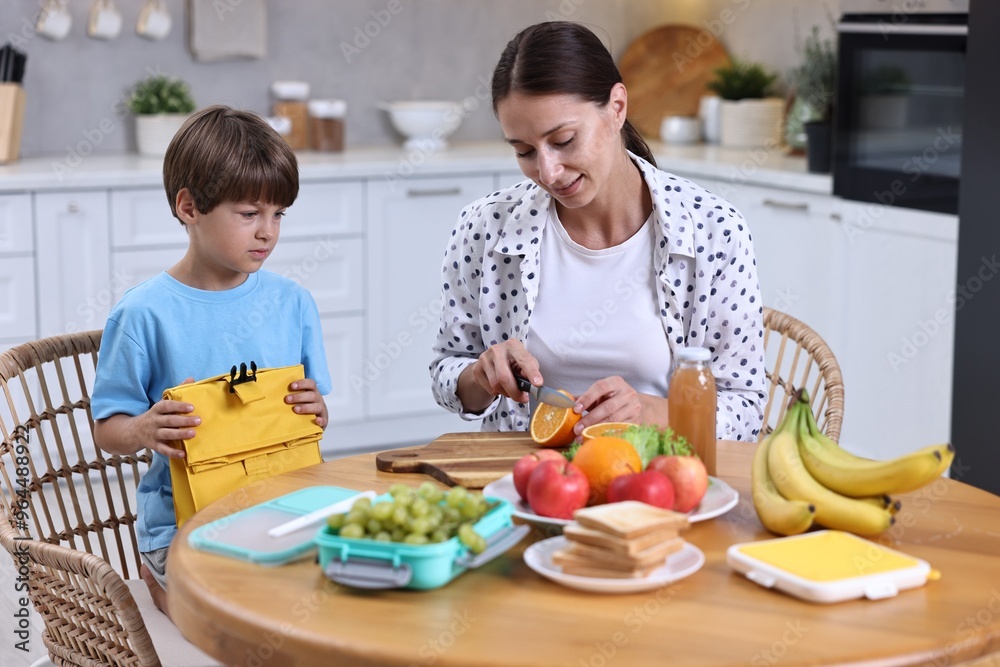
(691, 402)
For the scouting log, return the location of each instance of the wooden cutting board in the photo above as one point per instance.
(666, 72)
(472, 460)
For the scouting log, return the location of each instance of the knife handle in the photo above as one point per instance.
(522, 383)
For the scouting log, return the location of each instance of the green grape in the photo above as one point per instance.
(439, 536)
(335, 521)
(414, 538)
(469, 510)
(358, 516)
(470, 538)
(398, 489)
(420, 526)
(452, 515)
(430, 493)
(398, 533)
(420, 507)
(399, 515)
(382, 511)
(373, 527)
(405, 499)
(456, 495)
(383, 536)
(362, 503)
(352, 530)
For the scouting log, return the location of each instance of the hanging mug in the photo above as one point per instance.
(55, 20)
(105, 20)
(154, 20)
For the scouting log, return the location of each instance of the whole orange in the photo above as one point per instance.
(604, 458)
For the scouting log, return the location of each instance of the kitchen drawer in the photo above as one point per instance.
(17, 298)
(331, 268)
(142, 218)
(16, 224)
(325, 207)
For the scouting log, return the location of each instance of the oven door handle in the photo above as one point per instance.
(884, 28)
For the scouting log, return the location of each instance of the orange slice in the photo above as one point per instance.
(605, 428)
(552, 426)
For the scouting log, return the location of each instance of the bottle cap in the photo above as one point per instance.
(290, 90)
(327, 108)
(693, 354)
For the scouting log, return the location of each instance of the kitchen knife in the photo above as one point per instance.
(544, 394)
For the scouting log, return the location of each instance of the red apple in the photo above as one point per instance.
(557, 489)
(689, 477)
(526, 464)
(648, 487)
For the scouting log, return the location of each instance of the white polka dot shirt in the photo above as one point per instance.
(707, 284)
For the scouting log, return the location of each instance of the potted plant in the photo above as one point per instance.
(815, 85)
(161, 104)
(748, 116)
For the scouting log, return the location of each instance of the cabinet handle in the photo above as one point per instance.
(73, 207)
(442, 192)
(836, 217)
(791, 206)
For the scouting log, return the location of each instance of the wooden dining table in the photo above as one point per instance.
(505, 614)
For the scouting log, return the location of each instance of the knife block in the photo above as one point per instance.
(11, 121)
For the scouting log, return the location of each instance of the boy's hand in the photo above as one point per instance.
(308, 401)
(163, 424)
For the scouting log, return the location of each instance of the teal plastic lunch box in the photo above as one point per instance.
(365, 563)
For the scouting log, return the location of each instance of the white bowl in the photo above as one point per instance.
(680, 129)
(426, 125)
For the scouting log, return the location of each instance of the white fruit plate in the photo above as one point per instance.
(684, 563)
(719, 499)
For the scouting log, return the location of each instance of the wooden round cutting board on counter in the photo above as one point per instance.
(666, 72)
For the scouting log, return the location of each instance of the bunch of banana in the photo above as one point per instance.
(801, 477)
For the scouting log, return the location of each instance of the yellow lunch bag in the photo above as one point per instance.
(247, 433)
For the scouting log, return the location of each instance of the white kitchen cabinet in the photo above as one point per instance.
(331, 268)
(73, 260)
(344, 340)
(16, 224)
(141, 218)
(899, 338)
(409, 225)
(799, 242)
(131, 267)
(17, 299)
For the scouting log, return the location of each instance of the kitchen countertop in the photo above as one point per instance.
(751, 166)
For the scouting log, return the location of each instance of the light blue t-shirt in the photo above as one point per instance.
(163, 332)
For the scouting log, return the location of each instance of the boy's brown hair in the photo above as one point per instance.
(222, 154)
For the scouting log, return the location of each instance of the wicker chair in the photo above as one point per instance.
(796, 356)
(67, 514)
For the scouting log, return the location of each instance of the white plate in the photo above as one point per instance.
(719, 499)
(685, 562)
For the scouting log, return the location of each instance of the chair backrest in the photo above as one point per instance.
(796, 357)
(67, 511)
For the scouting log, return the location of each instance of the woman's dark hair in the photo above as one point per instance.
(560, 57)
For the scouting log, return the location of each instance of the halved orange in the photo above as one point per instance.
(604, 428)
(552, 426)
(602, 459)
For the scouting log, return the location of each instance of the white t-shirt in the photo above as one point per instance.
(597, 314)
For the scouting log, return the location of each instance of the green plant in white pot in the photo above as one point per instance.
(749, 118)
(815, 85)
(161, 104)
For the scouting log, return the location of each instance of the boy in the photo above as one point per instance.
(229, 178)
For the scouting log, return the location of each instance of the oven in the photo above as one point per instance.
(898, 112)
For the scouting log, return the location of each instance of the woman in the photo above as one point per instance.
(589, 275)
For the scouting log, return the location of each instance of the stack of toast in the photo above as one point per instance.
(620, 540)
